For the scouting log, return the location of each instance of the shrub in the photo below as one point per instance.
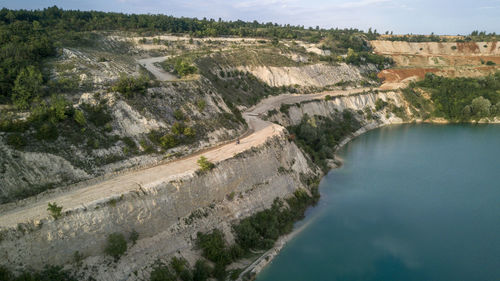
(54, 210)
(178, 264)
(380, 104)
(183, 68)
(79, 118)
(178, 114)
(189, 132)
(98, 114)
(168, 141)
(204, 164)
(490, 63)
(116, 245)
(328, 97)
(201, 105)
(201, 271)
(213, 247)
(178, 128)
(16, 140)
(28, 84)
(284, 108)
(129, 86)
(161, 273)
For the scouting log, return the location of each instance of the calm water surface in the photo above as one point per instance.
(412, 202)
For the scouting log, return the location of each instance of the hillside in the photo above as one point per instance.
(135, 146)
(451, 59)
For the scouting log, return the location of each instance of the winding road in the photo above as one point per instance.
(149, 177)
(159, 73)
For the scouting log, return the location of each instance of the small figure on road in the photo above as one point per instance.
(238, 141)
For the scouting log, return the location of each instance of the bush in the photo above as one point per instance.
(79, 118)
(204, 164)
(178, 264)
(490, 63)
(328, 97)
(179, 115)
(168, 141)
(213, 247)
(98, 114)
(16, 140)
(380, 104)
(54, 210)
(28, 85)
(116, 245)
(201, 105)
(129, 86)
(201, 271)
(161, 273)
(183, 68)
(47, 131)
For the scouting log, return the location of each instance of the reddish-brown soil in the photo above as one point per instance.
(414, 60)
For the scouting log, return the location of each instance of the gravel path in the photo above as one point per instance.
(159, 73)
(150, 177)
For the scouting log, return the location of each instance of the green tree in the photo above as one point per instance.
(16, 140)
(213, 247)
(162, 273)
(481, 107)
(204, 164)
(189, 132)
(28, 85)
(80, 118)
(129, 86)
(57, 108)
(168, 141)
(178, 264)
(116, 245)
(54, 210)
(201, 271)
(201, 105)
(183, 68)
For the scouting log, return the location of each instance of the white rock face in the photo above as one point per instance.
(161, 215)
(129, 122)
(353, 102)
(18, 169)
(317, 75)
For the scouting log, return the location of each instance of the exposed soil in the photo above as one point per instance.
(414, 60)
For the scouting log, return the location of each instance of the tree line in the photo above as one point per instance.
(29, 36)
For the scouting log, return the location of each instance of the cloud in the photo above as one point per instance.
(362, 3)
(264, 3)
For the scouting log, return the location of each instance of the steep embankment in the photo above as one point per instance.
(317, 75)
(163, 214)
(450, 59)
(166, 210)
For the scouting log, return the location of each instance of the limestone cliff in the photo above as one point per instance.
(167, 216)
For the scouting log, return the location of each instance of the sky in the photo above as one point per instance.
(446, 17)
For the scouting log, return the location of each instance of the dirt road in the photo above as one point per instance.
(150, 177)
(159, 73)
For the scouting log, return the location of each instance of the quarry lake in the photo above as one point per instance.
(411, 202)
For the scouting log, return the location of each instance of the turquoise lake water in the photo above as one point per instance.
(411, 202)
